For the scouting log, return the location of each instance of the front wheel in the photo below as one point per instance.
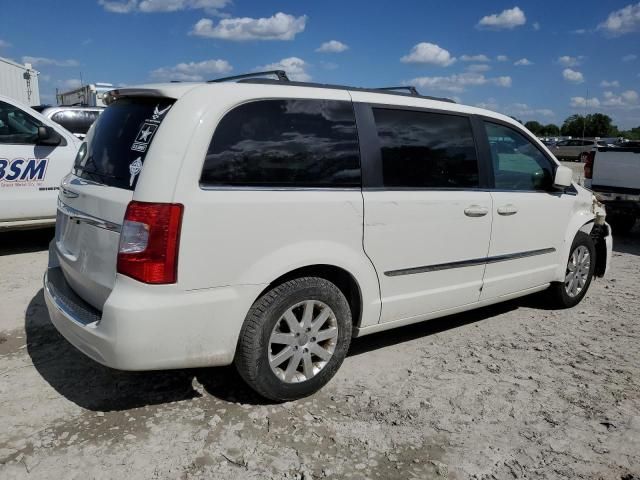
(579, 272)
(294, 339)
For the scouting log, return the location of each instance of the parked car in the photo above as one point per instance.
(572, 149)
(35, 153)
(267, 222)
(614, 175)
(77, 120)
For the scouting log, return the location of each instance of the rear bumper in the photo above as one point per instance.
(143, 327)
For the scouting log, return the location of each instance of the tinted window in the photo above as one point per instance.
(17, 127)
(114, 151)
(517, 162)
(285, 143)
(76, 121)
(426, 150)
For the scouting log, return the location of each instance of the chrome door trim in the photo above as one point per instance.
(469, 263)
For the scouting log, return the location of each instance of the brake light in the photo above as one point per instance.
(588, 164)
(149, 242)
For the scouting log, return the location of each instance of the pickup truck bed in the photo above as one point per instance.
(614, 175)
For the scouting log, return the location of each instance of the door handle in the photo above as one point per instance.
(476, 211)
(507, 210)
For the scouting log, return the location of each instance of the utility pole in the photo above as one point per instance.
(584, 120)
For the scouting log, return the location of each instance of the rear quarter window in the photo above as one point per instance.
(115, 149)
(285, 143)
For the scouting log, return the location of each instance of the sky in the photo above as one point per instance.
(534, 60)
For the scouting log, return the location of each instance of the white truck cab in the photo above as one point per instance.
(266, 222)
(35, 154)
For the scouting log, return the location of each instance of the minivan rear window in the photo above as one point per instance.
(115, 148)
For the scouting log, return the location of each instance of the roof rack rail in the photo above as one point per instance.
(280, 74)
(411, 89)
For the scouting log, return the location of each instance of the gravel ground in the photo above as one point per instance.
(510, 391)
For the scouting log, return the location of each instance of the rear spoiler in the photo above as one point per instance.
(173, 91)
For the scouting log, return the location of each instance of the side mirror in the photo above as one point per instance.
(563, 177)
(48, 136)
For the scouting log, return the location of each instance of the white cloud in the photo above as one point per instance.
(280, 26)
(523, 62)
(475, 58)
(572, 76)
(478, 67)
(524, 110)
(429, 53)
(569, 61)
(458, 83)
(628, 98)
(630, 58)
(581, 102)
(625, 20)
(579, 31)
(507, 19)
(119, 7)
(294, 66)
(4, 44)
(536, 26)
(192, 71)
(610, 84)
(153, 6)
(502, 58)
(516, 109)
(43, 61)
(332, 46)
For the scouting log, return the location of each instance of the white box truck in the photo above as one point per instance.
(88, 95)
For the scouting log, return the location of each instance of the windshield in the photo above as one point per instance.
(117, 144)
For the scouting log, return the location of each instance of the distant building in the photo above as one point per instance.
(19, 82)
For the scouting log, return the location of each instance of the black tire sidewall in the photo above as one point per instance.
(310, 288)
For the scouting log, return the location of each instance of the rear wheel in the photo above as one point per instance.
(294, 339)
(578, 274)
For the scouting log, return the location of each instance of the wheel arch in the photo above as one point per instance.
(581, 222)
(340, 277)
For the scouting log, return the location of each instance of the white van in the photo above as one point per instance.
(35, 153)
(266, 222)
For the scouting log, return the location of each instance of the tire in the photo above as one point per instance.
(258, 355)
(568, 294)
(621, 224)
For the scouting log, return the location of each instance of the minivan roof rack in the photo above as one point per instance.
(280, 74)
(270, 81)
(281, 77)
(411, 89)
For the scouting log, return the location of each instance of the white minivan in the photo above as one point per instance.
(35, 153)
(268, 222)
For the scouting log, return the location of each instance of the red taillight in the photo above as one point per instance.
(149, 242)
(588, 164)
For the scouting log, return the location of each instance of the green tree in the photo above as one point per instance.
(535, 127)
(550, 130)
(633, 134)
(593, 125)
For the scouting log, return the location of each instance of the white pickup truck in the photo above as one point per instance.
(35, 153)
(613, 174)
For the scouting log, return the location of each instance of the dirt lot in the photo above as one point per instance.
(511, 391)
